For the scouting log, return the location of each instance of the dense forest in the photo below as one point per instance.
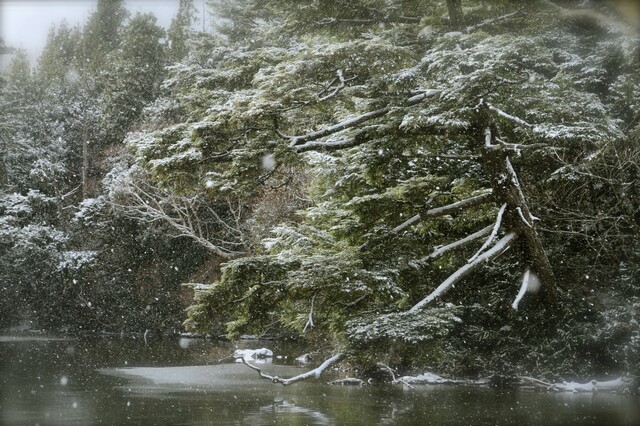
(451, 184)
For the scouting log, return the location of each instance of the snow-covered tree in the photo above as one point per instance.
(180, 31)
(431, 154)
(132, 77)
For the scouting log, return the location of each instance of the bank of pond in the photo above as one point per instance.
(84, 381)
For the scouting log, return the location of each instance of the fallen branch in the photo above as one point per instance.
(348, 381)
(496, 250)
(621, 384)
(315, 373)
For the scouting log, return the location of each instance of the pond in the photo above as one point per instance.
(120, 381)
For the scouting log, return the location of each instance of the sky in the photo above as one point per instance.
(25, 23)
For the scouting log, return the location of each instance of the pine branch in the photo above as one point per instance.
(355, 121)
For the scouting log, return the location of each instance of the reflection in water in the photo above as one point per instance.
(171, 381)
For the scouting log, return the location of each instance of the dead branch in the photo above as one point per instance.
(438, 211)
(352, 122)
(443, 249)
(494, 233)
(510, 117)
(315, 373)
(183, 214)
(458, 275)
(310, 320)
(443, 210)
(523, 289)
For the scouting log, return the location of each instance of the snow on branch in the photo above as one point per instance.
(444, 249)
(342, 83)
(621, 384)
(516, 182)
(526, 222)
(186, 215)
(440, 211)
(517, 146)
(354, 121)
(327, 145)
(494, 233)
(503, 114)
(468, 202)
(523, 289)
(315, 373)
(495, 251)
(407, 223)
(351, 122)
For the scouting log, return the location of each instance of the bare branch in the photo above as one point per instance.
(517, 146)
(516, 182)
(526, 222)
(180, 213)
(315, 373)
(310, 320)
(459, 205)
(442, 250)
(327, 145)
(438, 211)
(495, 251)
(523, 289)
(513, 118)
(352, 122)
(338, 88)
(407, 223)
(494, 233)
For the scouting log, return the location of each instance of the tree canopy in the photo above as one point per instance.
(441, 183)
(451, 169)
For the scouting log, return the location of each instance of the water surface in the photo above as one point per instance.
(182, 382)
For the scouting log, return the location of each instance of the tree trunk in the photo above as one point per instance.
(518, 217)
(456, 17)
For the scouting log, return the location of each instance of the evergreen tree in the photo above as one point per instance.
(429, 155)
(58, 62)
(180, 30)
(132, 80)
(101, 34)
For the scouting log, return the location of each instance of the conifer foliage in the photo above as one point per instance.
(437, 141)
(442, 183)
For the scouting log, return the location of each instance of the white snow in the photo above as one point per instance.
(259, 355)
